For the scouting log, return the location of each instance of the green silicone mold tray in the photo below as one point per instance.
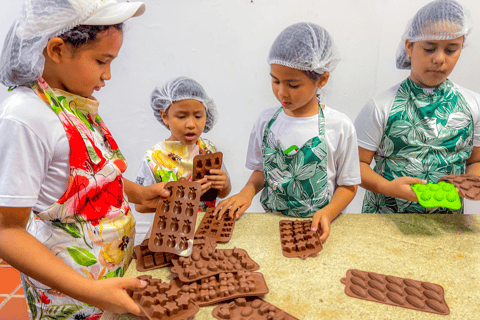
(441, 194)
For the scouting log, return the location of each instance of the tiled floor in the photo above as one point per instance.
(12, 300)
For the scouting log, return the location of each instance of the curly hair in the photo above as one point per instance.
(83, 34)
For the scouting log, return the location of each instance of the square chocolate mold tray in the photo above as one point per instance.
(468, 185)
(206, 262)
(224, 286)
(163, 300)
(202, 163)
(394, 291)
(220, 230)
(298, 239)
(174, 223)
(250, 309)
(149, 260)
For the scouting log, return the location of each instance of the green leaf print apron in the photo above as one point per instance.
(428, 135)
(295, 185)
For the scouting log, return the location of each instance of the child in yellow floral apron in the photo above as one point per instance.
(60, 162)
(183, 106)
(303, 154)
(425, 127)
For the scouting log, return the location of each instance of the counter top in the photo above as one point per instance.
(442, 249)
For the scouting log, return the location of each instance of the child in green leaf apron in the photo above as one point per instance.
(60, 164)
(303, 154)
(185, 109)
(425, 127)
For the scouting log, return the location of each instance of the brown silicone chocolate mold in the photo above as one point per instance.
(401, 292)
(468, 185)
(298, 239)
(220, 230)
(202, 163)
(224, 286)
(149, 260)
(174, 223)
(250, 309)
(206, 262)
(162, 300)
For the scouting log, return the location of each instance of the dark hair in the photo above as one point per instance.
(312, 74)
(83, 34)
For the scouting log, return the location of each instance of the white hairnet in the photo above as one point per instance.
(438, 20)
(183, 88)
(305, 46)
(22, 59)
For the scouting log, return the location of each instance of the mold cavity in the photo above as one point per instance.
(192, 194)
(174, 225)
(158, 240)
(187, 227)
(171, 241)
(180, 192)
(217, 161)
(162, 223)
(166, 206)
(199, 164)
(183, 243)
(189, 210)
(208, 163)
(177, 209)
(199, 175)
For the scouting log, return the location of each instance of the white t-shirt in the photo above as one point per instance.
(371, 122)
(34, 152)
(343, 165)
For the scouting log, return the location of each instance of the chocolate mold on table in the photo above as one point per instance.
(441, 194)
(220, 230)
(173, 227)
(206, 262)
(202, 163)
(394, 291)
(298, 239)
(162, 301)
(250, 309)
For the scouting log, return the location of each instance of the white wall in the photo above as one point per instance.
(223, 44)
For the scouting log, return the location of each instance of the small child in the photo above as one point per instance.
(303, 153)
(183, 106)
(425, 127)
(60, 164)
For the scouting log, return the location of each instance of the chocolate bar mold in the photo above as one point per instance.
(149, 260)
(220, 230)
(202, 163)
(468, 185)
(162, 300)
(441, 194)
(174, 223)
(250, 309)
(206, 262)
(298, 239)
(224, 286)
(394, 291)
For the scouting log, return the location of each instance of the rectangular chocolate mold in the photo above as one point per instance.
(174, 223)
(220, 230)
(224, 286)
(468, 185)
(206, 262)
(202, 163)
(162, 300)
(298, 239)
(250, 309)
(149, 260)
(394, 291)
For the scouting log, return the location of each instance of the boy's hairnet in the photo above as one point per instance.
(22, 60)
(305, 46)
(438, 20)
(183, 88)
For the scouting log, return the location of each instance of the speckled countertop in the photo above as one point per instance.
(443, 249)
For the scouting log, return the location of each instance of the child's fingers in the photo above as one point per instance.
(325, 232)
(315, 221)
(411, 180)
(216, 172)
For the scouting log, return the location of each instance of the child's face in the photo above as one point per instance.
(433, 60)
(186, 120)
(85, 69)
(295, 90)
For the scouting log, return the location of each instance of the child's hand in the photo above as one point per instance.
(322, 220)
(218, 178)
(205, 184)
(110, 294)
(237, 204)
(401, 188)
(153, 195)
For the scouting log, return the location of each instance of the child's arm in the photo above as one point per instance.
(397, 188)
(25, 253)
(240, 202)
(342, 196)
(473, 163)
(220, 181)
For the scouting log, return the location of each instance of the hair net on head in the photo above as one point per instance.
(182, 88)
(305, 46)
(22, 60)
(438, 20)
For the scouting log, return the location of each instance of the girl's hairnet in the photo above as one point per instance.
(182, 88)
(438, 20)
(22, 60)
(305, 46)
